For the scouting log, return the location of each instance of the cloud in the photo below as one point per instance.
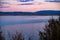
(25, 0)
(26, 4)
(4, 3)
(53, 0)
(3, 6)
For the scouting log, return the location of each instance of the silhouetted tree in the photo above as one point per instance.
(17, 36)
(51, 31)
(30, 37)
(1, 35)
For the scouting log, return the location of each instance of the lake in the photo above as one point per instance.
(29, 26)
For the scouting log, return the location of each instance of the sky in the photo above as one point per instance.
(30, 6)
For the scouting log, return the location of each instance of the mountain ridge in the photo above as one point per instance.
(42, 12)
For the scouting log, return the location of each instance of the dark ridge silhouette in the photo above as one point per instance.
(48, 12)
(42, 12)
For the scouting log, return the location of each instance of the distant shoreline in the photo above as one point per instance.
(42, 12)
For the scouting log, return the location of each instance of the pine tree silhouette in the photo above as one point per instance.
(1, 36)
(51, 31)
(17, 36)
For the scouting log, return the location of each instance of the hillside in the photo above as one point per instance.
(43, 12)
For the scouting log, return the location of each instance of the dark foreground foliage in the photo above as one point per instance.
(17, 36)
(1, 35)
(51, 31)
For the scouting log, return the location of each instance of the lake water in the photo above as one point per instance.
(29, 26)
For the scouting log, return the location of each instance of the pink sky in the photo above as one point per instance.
(32, 8)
